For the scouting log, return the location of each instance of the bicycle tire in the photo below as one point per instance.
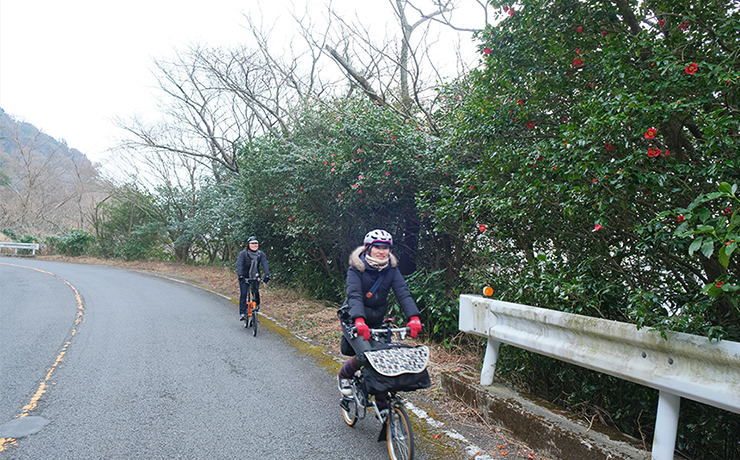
(254, 323)
(399, 435)
(350, 414)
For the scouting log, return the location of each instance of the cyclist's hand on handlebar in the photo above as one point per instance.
(362, 328)
(414, 326)
(267, 278)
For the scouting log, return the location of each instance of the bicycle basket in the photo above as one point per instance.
(398, 368)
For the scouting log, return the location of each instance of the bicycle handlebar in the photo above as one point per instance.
(385, 332)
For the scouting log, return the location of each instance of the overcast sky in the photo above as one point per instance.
(70, 67)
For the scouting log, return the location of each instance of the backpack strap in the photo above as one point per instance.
(376, 284)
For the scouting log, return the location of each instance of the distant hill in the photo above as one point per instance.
(45, 186)
(10, 129)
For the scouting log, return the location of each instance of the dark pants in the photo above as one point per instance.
(243, 286)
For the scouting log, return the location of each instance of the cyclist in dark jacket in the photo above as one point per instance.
(248, 270)
(372, 273)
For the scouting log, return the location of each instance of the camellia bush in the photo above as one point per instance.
(605, 184)
(348, 167)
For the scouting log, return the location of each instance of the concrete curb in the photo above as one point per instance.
(541, 428)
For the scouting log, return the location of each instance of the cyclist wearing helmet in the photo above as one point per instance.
(372, 273)
(248, 268)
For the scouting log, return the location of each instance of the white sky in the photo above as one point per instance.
(70, 67)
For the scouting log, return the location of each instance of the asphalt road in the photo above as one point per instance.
(114, 364)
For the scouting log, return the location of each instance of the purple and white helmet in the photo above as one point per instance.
(378, 236)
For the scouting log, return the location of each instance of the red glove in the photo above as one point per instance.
(414, 326)
(363, 330)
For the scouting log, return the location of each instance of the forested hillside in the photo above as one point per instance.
(45, 186)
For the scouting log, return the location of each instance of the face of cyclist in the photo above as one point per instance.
(253, 245)
(380, 251)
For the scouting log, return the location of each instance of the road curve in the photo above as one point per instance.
(119, 364)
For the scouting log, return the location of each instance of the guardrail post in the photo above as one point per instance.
(666, 426)
(489, 362)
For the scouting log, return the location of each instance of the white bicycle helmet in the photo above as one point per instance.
(378, 236)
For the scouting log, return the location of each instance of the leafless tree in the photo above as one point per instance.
(218, 99)
(215, 100)
(401, 70)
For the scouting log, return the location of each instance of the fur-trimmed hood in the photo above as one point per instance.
(359, 264)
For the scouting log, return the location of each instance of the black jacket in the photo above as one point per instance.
(248, 266)
(360, 279)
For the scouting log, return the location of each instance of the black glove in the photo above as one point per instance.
(267, 278)
(241, 278)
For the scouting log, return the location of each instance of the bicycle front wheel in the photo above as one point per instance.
(349, 411)
(399, 436)
(254, 323)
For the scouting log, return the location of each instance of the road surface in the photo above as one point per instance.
(114, 364)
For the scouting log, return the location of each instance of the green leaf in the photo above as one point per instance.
(730, 248)
(724, 187)
(695, 246)
(723, 257)
(707, 248)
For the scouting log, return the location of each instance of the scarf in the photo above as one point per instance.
(377, 263)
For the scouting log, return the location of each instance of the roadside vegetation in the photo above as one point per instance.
(587, 162)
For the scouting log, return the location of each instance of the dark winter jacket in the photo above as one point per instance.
(360, 279)
(249, 262)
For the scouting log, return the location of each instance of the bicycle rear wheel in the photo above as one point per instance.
(399, 436)
(254, 323)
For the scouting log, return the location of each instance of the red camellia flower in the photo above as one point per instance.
(661, 23)
(650, 133)
(530, 125)
(520, 102)
(684, 25)
(609, 146)
(653, 152)
(577, 62)
(597, 227)
(482, 228)
(691, 68)
(579, 29)
(681, 218)
(487, 51)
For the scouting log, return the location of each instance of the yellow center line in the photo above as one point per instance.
(6, 442)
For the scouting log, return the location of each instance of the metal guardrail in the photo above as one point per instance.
(16, 246)
(681, 365)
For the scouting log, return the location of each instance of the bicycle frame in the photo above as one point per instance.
(251, 306)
